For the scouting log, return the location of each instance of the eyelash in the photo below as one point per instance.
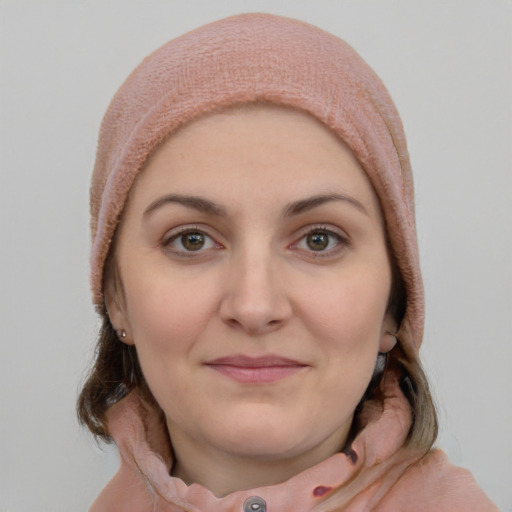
(341, 242)
(188, 230)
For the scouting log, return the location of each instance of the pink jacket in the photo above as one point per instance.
(376, 474)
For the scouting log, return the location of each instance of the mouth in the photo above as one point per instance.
(256, 370)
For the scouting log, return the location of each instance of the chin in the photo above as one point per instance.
(264, 445)
(264, 436)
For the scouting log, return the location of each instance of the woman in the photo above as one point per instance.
(255, 263)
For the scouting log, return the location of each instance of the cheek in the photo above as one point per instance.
(167, 317)
(346, 322)
(167, 314)
(347, 330)
(349, 316)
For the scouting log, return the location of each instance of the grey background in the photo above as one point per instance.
(448, 67)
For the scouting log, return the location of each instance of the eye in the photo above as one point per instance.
(320, 240)
(190, 241)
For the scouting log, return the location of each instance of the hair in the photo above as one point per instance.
(116, 372)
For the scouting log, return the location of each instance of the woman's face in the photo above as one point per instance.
(255, 284)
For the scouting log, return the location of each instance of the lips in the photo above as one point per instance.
(256, 370)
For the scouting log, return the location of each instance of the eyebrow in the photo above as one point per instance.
(304, 205)
(197, 203)
(209, 207)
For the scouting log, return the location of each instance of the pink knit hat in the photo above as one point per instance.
(249, 58)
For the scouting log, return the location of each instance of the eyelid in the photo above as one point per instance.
(173, 234)
(342, 237)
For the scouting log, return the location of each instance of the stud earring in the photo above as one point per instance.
(121, 334)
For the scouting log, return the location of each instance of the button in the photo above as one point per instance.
(255, 504)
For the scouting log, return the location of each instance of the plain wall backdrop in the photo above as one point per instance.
(447, 65)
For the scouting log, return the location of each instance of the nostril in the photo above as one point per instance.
(254, 311)
(233, 322)
(253, 326)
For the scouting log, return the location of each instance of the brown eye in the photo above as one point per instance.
(189, 242)
(321, 241)
(317, 241)
(192, 241)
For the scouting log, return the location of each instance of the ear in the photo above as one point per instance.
(388, 334)
(116, 310)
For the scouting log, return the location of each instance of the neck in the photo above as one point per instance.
(223, 473)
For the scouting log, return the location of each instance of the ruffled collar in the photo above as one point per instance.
(354, 479)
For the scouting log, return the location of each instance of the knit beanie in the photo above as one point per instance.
(259, 58)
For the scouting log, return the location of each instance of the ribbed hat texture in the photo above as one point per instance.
(250, 58)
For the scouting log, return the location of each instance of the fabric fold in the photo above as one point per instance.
(376, 474)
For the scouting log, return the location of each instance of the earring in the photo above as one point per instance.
(121, 334)
(129, 374)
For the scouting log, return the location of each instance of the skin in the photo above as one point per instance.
(285, 254)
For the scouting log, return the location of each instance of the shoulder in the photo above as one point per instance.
(126, 492)
(434, 484)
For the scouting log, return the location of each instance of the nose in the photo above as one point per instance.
(255, 298)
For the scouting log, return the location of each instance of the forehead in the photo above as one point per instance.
(277, 152)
